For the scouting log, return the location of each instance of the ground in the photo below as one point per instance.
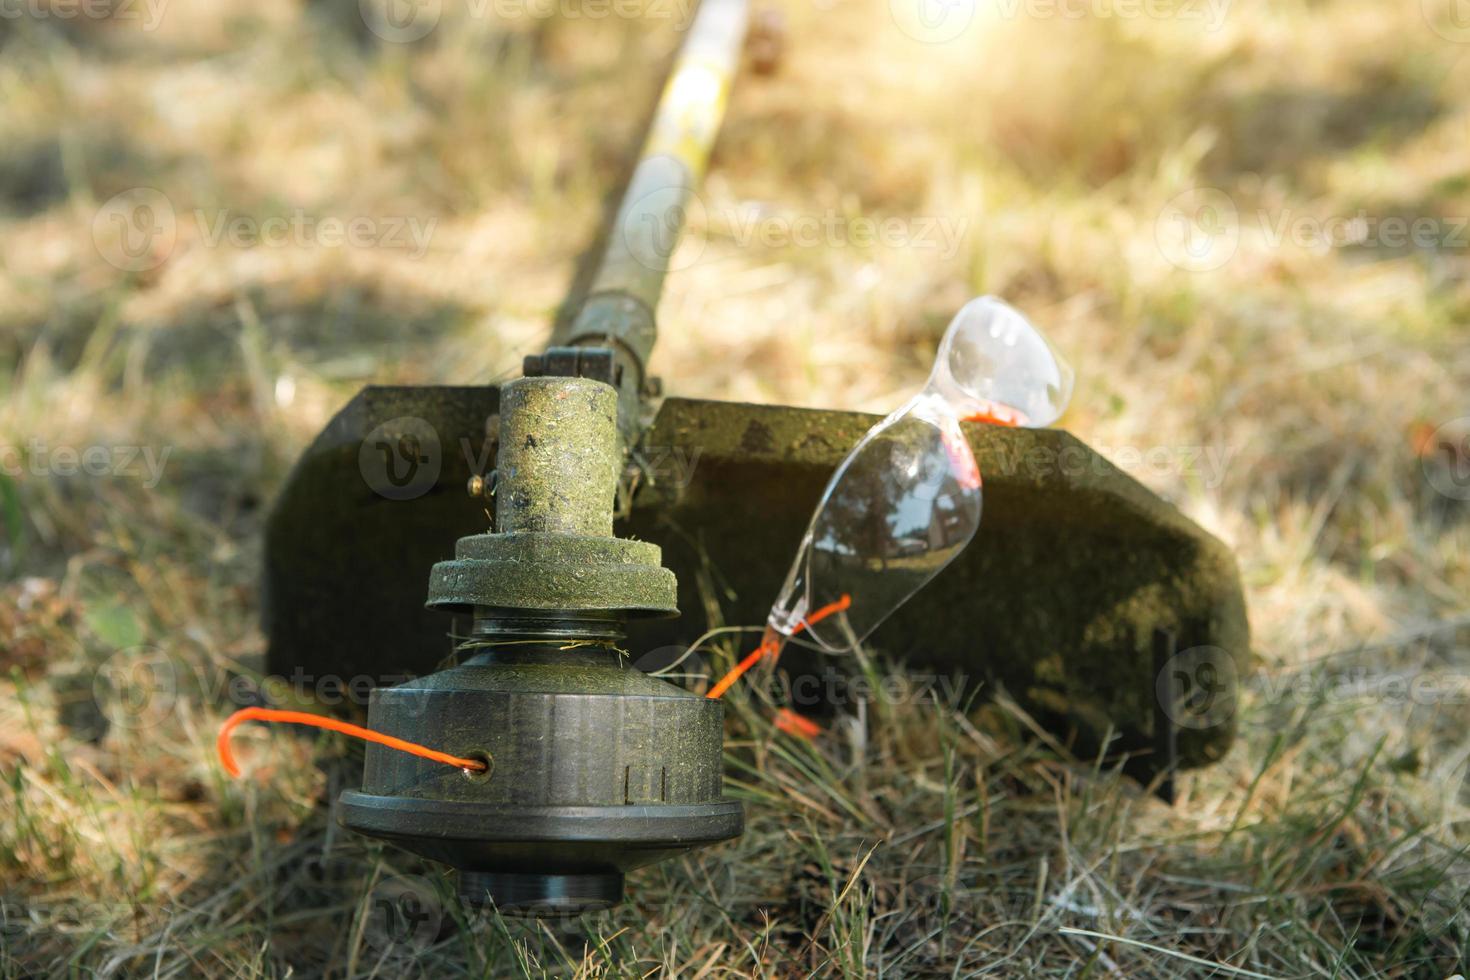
(1246, 223)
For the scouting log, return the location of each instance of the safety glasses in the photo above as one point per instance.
(906, 501)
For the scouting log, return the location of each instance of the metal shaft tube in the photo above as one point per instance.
(620, 308)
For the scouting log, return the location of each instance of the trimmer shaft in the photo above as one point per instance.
(594, 768)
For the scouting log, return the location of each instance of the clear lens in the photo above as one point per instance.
(906, 500)
(903, 504)
(994, 364)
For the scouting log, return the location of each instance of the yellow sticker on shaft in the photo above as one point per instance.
(689, 114)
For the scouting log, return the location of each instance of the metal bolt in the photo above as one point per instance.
(482, 486)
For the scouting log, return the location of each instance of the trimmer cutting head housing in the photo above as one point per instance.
(593, 768)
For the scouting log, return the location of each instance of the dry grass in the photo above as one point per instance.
(929, 838)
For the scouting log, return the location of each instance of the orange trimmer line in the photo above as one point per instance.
(227, 758)
(997, 416)
(791, 723)
(773, 648)
(786, 720)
